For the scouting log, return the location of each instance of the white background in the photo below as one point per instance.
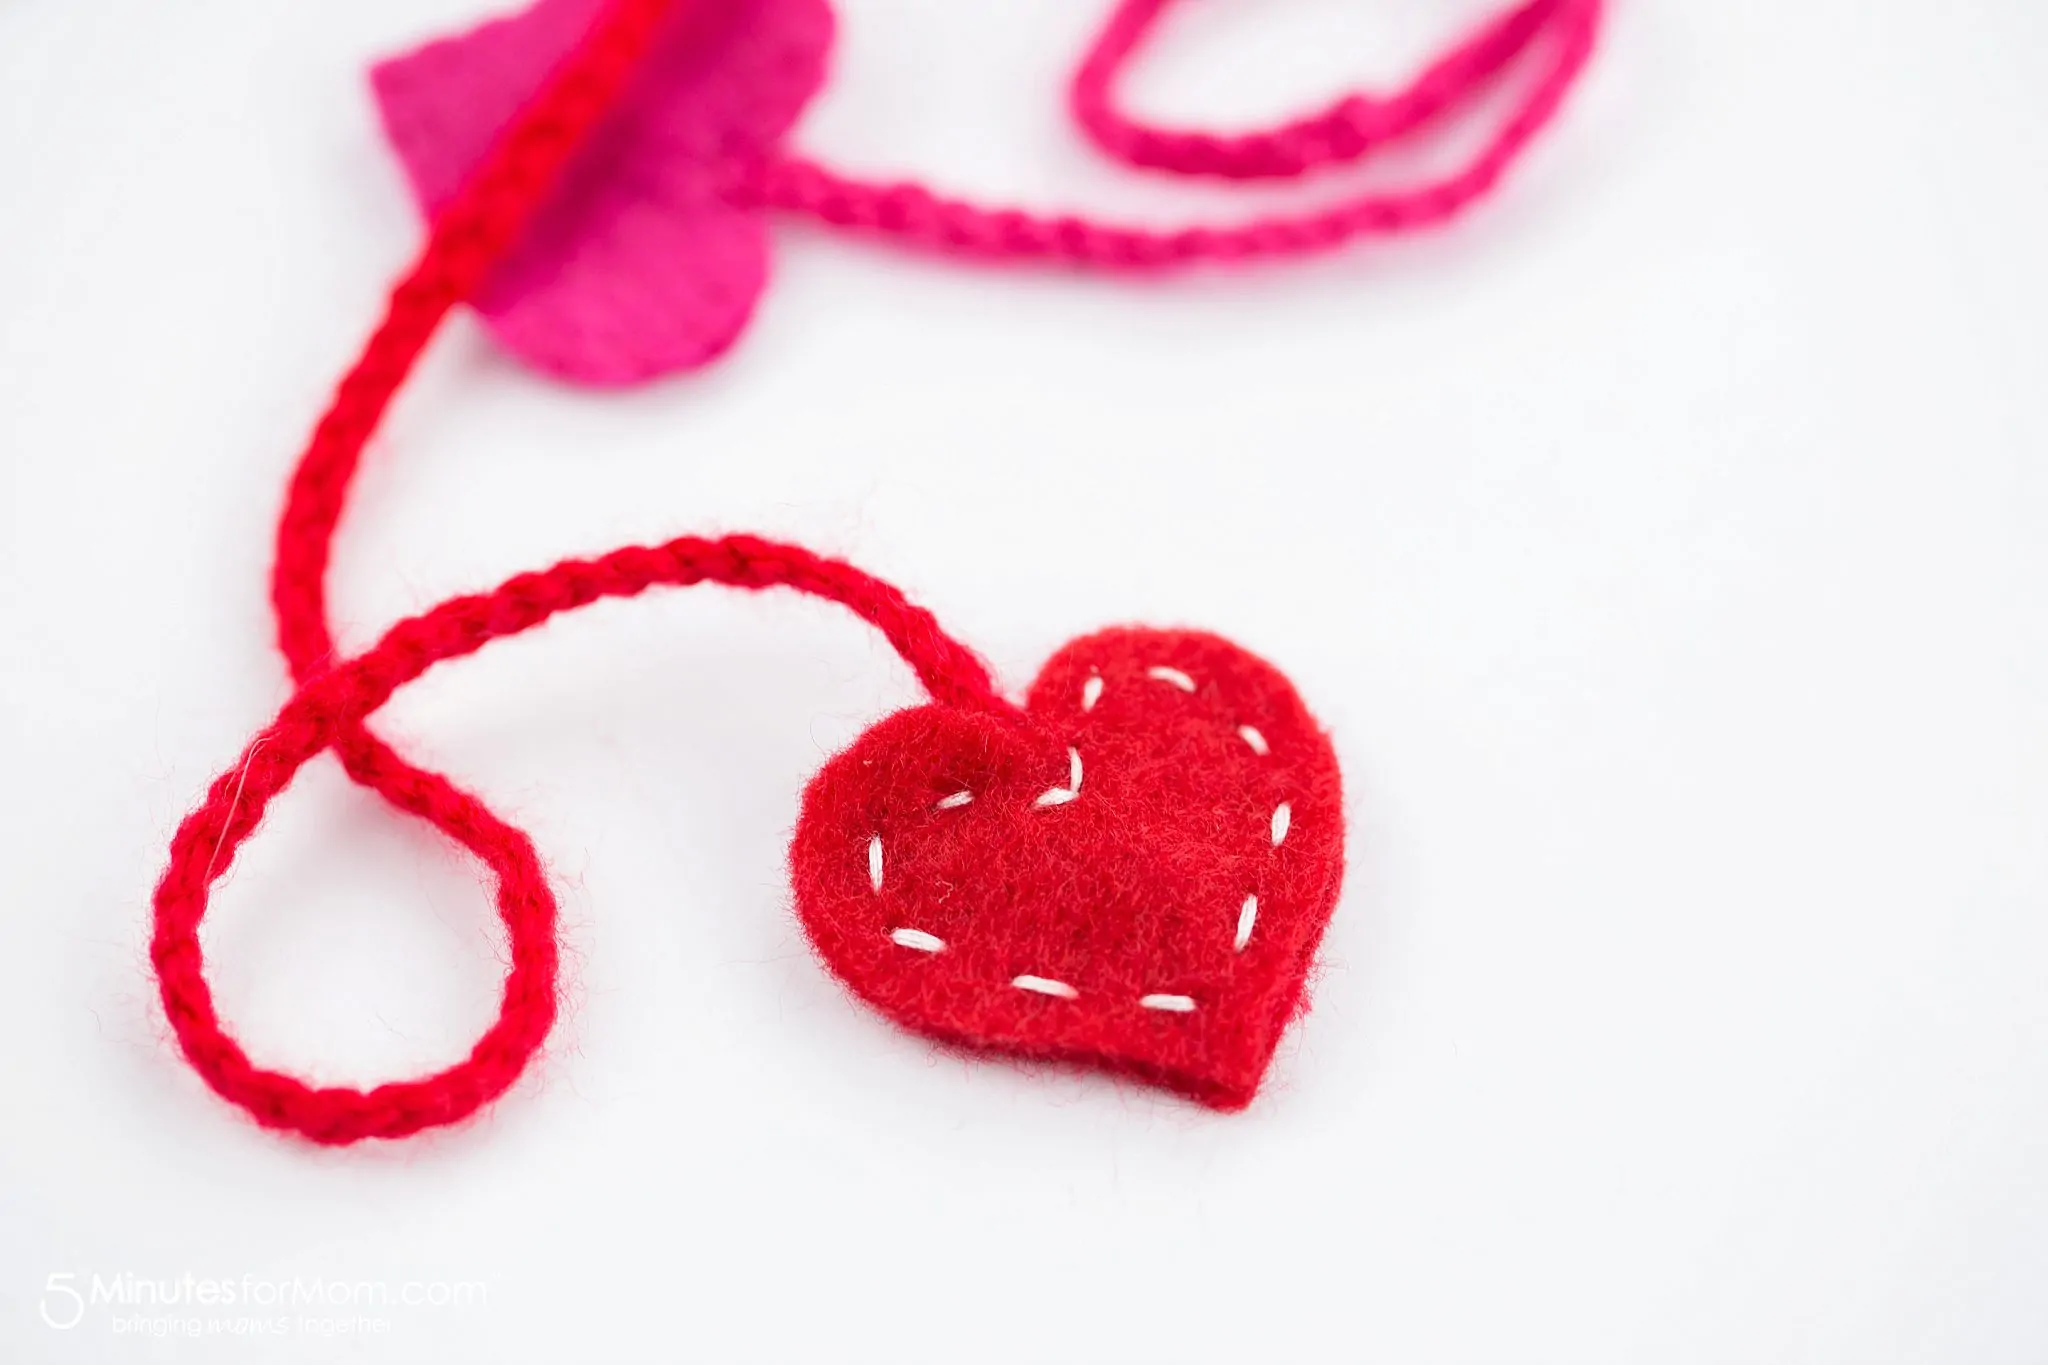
(1664, 547)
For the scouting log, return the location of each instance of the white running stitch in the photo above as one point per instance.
(1091, 692)
(1059, 796)
(1246, 917)
(1171, 675)
(1177, 1004)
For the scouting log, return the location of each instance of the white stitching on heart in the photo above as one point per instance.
(1283, 814)
(1091, 692)
(1247, 916)
(1059, 796)
(918, 939)
(1045, 986)
(1171, 675)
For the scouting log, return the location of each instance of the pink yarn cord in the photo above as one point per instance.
(1348, 129)
(1351, 128)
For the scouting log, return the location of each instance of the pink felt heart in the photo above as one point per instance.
(640, 262)
(1133, 875)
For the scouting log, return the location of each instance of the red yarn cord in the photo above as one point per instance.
(475, 230)
(468, 238)
(330, 708)
(913, 215)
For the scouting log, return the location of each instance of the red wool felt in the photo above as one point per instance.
(1134, 877)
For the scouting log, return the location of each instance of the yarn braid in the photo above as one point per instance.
(470, 235)
(334, 698)
(910, 214)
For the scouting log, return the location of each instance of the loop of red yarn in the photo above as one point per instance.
(470, 236)
(326, 711)
(334, 699)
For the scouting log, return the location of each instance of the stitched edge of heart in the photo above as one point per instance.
(1217, 1056)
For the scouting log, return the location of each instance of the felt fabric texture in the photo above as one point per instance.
(1134, 874)
(639, 262)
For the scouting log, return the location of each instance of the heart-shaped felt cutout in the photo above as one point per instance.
(640, 262)
(1134, 876)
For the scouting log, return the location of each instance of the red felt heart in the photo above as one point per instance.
(1134, 876)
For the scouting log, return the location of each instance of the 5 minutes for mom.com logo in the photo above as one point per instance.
(205, 1305)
